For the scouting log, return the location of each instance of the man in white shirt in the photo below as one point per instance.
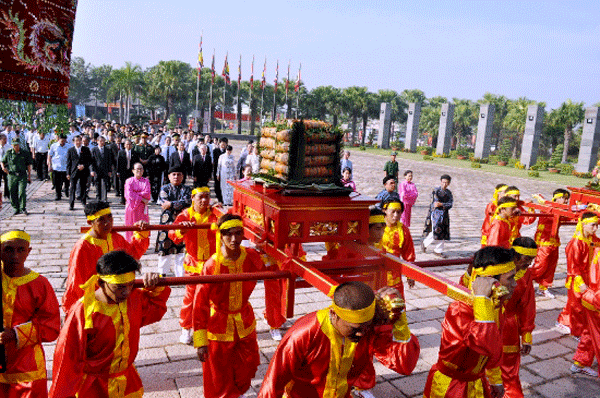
(4, 146)
(39, 150)
(57, 164)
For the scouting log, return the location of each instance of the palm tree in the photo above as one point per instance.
(465, 118)
(352, 99)
(369, 109)
(398, 106)
(429, 123)
(500, 103)
(567, 116)
(127, 81)
(171, 82)
(515, 120)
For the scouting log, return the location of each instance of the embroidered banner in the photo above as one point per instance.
(35, 49)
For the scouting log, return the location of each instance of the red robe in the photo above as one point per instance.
(98, 362)
(85, 254)
(544, 266)
(519, 322)
(490, 209)
(224, 321)
(303, 365)
(579, 257)
(199, 246)
(469, 347)
(500, 233)
(398, 241)
(31, 309)
(589, 342)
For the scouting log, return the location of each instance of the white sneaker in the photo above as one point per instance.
(545, 293)
(275, 334)
(186, 336)
(563, 329)
(356, 393)
(586, 370)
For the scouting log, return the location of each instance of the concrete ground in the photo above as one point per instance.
(170, 369)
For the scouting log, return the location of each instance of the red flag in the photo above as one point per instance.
(240, 71)
(263, 81)
(200, 59)
(297, 85)
(252, 74)
(225, 73)
(287, 81)
(212, 68)
(276, 75)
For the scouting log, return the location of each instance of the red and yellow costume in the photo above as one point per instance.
(87, 251)
(519, 322)
(314, 360)
(398, 241)
(30, 308)
(490, 210)
(199, 246)
(99, 342)
(224, 321)
(544, 266)
(500, 233)
(579, 252)
(589, 343)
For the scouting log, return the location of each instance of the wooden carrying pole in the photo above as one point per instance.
(152, 227)
(194, 280)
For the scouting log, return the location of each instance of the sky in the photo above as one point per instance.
(544, 50)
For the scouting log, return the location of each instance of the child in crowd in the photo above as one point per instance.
(31, 317)
(408, 195)
(347, 179)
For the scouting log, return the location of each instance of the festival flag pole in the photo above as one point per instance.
(275, 92)
(212, 81)
(262, 87)
(200, 66)
(237, 102)
(227, 82)
(251, 89)
(297, 89)
(287, 83)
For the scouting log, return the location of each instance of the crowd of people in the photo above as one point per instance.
(328, 352)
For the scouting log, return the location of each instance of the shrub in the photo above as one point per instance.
(556, 157)
(453, 154)
(566, 168)
(462, 151)
(475, 165)
(494, 158)
(534, 173)
(519, 166)
(479, 160)
(512, 162)
(505, 151)
(582, 175)
(540, 165)
(427, 157)
(362, 148)
(427, 149)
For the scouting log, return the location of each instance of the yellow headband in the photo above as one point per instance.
(231, 224)
(526, 251)
(380, 218)
(355, 316)
(394, 205)
(512, 192)
(579, 228)
(589, 220)
(497, 191)
(12, 235)
(558, 195)
(506, 205)
(99, 214)
(89, 289)
(118, 279)
(491, 270)
(226, 225)
(200, 190)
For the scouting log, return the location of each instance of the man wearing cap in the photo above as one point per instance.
(16, 162)
(144, 150)
(389, 192)
(391, 168)
(57, 164)
(326, 352)
(31, 317)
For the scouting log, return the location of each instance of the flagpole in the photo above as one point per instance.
(251, 89)
(200, 64)
(275, 92)
(224, 91)
(262, 102)
(212, 81)
(287, 83)
(237, 101)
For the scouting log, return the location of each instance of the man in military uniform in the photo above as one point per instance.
(144, 150)
(17, 164)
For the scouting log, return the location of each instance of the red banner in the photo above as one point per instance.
(233, 116)
(35, 50)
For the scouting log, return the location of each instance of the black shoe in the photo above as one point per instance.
(25, 212)
(17, 212)
(57, 198)
(71, 208)
(441, 255)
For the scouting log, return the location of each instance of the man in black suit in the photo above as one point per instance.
(125, 161)
(218, 151)
(202, 167)
(102, 167)
(79, 160)
(181, 159)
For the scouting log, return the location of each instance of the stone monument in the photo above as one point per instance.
(385, 117)
(590, 141)
(531, 138)
(412, 126)
(445, 132)
(484, 131)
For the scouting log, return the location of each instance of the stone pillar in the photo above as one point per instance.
(484, 131)
(445, 132)
(590, 141)
(385, 117)
(412, 126)
(531, 138)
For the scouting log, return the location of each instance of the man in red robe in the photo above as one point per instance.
(100, 338)
(470, 334)
(31, 316)
(500, 232)
(93, 244)
(544, 267)
(396, 240)
(589, 343)
(490, 210)
(579, 256)
(199, 246)
(224, 323)
(519, 314)
(326, 352)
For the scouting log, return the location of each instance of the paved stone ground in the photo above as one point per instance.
(170, 369)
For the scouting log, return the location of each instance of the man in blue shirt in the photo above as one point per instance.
(57, 164)
(388, 192)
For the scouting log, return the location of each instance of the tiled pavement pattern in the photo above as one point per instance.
(170, 369)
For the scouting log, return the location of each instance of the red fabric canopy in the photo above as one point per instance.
(35, 49)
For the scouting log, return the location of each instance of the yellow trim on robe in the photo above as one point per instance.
(511, 349)
(105, 244)
(341, 357)
(483, 309)
(401, 331)
(527, 338)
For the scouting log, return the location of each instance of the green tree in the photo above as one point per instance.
(352, 100)
(80, 89)
(514, 122)
(414, 95)
(399, 107)
(172, 83)
(465, 119)
(429, 124)
(99, 83)
(566, 117)
(369, 109)
(500, 103)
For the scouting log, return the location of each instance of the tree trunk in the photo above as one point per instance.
(364, 126)
(252, 116)
(354, 117)
(120, 108)
(567, 143)
(335, 120)
(239, 117)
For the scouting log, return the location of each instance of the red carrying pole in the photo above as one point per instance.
(194, 280)
(153, 227)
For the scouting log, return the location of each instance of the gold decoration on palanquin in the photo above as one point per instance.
(391, 306)
(352, 227)
(323, 228)
(272, 226)
(294, 229)
(253, 216)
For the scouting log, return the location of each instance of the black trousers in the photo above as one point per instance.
(218, 193)
(41, 165)
(59, 179)
(155, 185)
(102, 185)
(5, 179)
(78, 179)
